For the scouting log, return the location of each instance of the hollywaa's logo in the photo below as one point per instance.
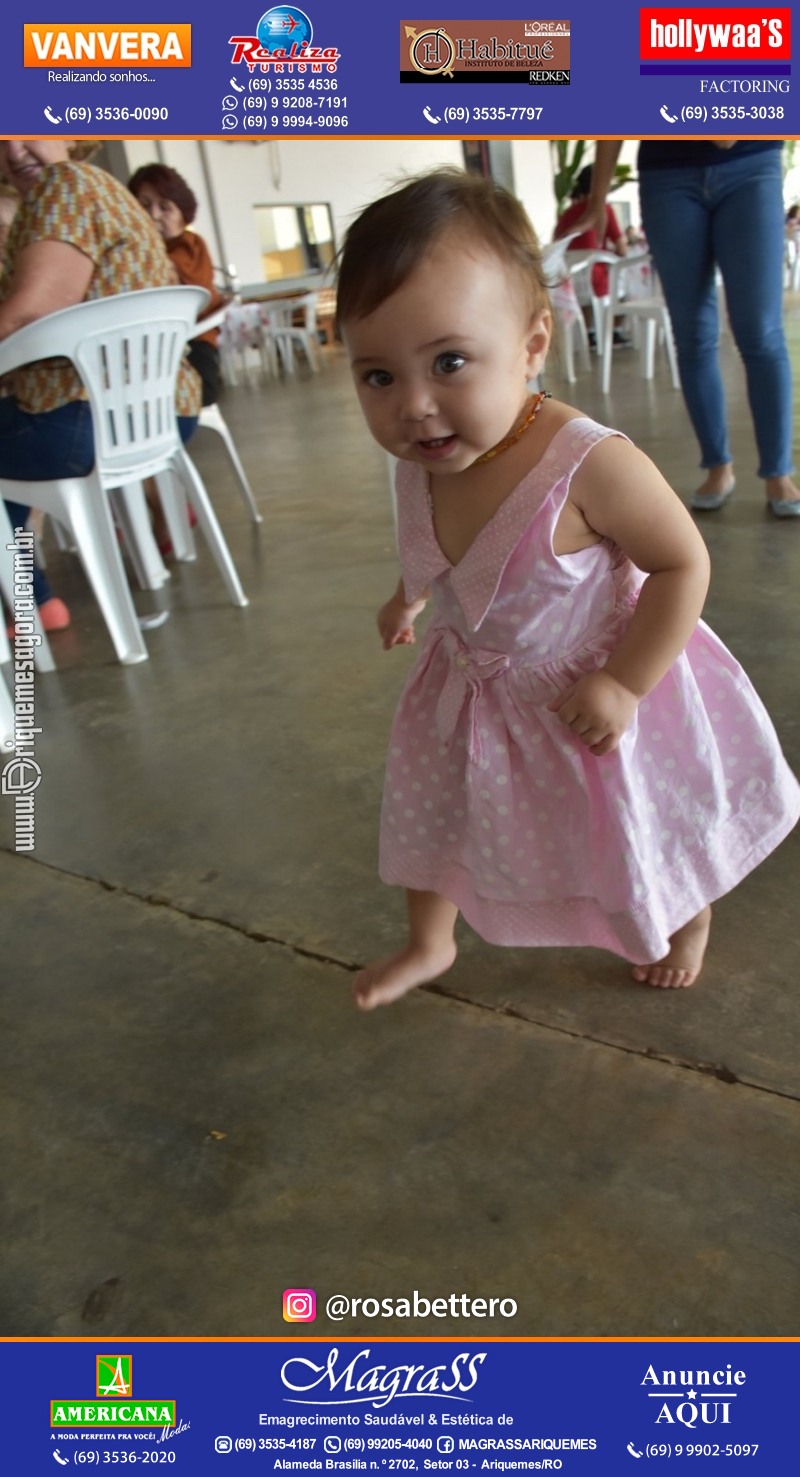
(283, 43)
(715, 34)
(114, 1409)
(689, 1397)
(362, 1383)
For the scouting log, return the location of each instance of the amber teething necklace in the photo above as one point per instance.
(528, 416)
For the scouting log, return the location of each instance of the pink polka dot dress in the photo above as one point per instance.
(490, 801)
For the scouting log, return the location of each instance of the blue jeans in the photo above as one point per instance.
(42, 448)
(731, 215)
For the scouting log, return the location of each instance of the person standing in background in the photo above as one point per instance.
(709, 203)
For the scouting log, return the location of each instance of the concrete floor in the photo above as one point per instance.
(192, 1114)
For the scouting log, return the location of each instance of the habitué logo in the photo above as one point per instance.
(533, 52)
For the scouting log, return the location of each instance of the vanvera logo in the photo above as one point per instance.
(718, 34)
(120, 45)
(361, 1383)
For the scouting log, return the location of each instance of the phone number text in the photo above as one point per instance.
(699, 113)
(702, 1448)
(117, 115)
(493, 114)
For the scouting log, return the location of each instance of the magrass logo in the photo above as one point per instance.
(113, 1408)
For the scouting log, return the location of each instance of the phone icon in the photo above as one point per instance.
(431, 117)
(62, 1460)
(665, 113)
(235, 86)
(53, 118)
(631, 1447)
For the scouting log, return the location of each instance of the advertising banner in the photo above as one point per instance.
(512, 1349)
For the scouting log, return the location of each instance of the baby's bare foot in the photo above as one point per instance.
(685, 958)
(389, 979)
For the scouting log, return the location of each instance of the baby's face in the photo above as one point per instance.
(441, 366)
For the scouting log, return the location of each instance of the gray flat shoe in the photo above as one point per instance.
(786, 507)
(709, 502)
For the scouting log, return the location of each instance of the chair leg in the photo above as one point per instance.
(569, 357)
(606, 348)
(90, 517)
(208, 522)
(669, 345)
(579, 325)
(42, 655)
(217, 423)
(133, 519)
(649, 348)
(173, 502)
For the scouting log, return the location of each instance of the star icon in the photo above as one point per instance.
(691, 1394)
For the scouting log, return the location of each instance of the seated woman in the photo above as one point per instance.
(78, 235)
(171, 206)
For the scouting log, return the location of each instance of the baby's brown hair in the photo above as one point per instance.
(387, 242)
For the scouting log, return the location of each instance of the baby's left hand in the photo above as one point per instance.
(598, 709)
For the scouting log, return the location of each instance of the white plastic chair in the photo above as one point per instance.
(567, 310)
(212, 419)
(285, 334)
(580, 265)
(792, 262)
(649, 312)
(128, 351)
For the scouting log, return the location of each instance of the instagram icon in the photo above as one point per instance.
(299, 1305)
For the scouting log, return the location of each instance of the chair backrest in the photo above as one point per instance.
(127, 350)
(554, 259)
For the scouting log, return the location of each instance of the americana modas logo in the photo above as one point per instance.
(113, 1407)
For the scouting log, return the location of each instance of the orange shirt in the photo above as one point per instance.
(189, 256)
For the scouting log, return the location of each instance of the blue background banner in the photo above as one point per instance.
(608, 92)
(388, 1407)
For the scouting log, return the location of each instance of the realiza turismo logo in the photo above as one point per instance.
(113, 1407)
(283, 43)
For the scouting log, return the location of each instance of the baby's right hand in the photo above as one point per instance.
(396, 621)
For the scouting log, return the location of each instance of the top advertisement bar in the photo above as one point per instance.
(254, 71)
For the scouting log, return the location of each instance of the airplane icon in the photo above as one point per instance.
(290, 24)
